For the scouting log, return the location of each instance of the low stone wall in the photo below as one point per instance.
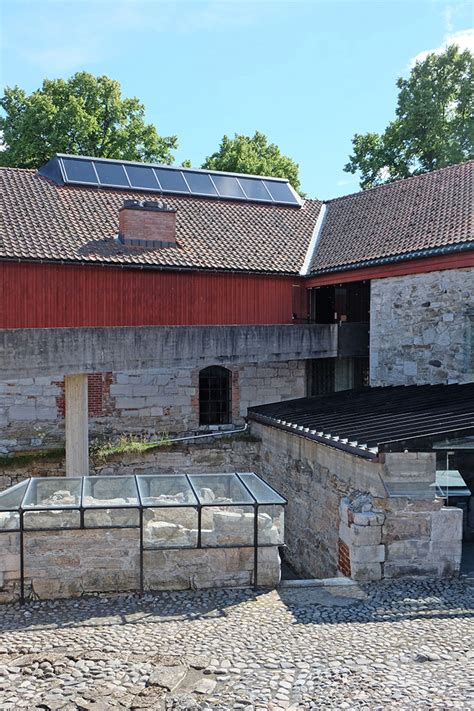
(72, 563)
(221, 454)
(421, 537)
(341, 519)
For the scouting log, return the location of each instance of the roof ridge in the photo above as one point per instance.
(401, 180)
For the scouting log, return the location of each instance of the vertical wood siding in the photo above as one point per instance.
(46, 296)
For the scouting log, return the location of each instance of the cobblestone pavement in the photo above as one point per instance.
(389, 645)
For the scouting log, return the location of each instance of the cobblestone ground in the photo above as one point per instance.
(403, 645)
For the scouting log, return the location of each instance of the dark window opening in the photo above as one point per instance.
(329, 375)
(344, 303)
(215, 396)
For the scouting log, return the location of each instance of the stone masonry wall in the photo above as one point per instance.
(76, 562)
(422, 328)
(340, 518)
(152, 401)
(314, 479)
(209, 455)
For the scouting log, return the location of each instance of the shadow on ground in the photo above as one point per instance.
(387, 601)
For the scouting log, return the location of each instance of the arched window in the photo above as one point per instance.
(215, 396)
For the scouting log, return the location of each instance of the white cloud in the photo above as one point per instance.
(464, 39)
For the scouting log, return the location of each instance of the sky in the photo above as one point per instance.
(308, 74)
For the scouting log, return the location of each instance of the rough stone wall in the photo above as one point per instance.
(422, 328)
(152, 401)
(314, 479)
(340, 518)
(209, 455)
(72, 563)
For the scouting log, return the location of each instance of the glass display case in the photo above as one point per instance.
(171, 512)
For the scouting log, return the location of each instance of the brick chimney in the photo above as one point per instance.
(147, 223)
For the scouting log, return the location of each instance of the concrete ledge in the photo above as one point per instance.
(49, 351)
(321, 583)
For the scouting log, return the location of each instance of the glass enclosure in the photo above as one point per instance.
(170, 512)
(173, 511)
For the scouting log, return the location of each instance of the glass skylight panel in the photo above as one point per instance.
(218, 489)
(262, 492)
(111, 174)
(281, 192)
(12, 497)
(165, 490)
(110, 491)
(53, 493)
(255, 189)
(199, 183)
(171, 180)
(142, 177)
(79, 171)
(228, 186)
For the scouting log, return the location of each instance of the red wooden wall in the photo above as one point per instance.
(45, 295)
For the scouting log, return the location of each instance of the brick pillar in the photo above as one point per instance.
(77, 425)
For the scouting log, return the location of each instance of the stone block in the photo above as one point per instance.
(446, 524)
(360, 535)
(367, 554)
(399, 527)
(408, 550)
(366, 571)
(369, 518)
(403, 568)
(22, 412)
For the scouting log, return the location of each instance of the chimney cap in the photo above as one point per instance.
(157, 205)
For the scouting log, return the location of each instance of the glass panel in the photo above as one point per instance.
(271, 525)
(227, 526)
(110, 491)
(199, 183)
(111, 517)
(254, 189)
(142, 177)
(219, 489)
(79, 171)
(52, 519)
(281, 192)
(11, 498)
(54, 493)
(262, 492)
(9, 521)
(170, 527)
(165, 490)
(171, 180)
(111, 174)
(228, 186)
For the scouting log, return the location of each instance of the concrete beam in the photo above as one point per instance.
(51, 351)
(77, 425)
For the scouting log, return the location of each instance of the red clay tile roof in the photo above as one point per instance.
(419, 213)
(40, 220)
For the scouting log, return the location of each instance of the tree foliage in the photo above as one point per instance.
(84, 115)
(254, 155)
(434, 124)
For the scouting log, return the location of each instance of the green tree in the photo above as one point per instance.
(254, 155)
(84, 115)
(434, 124)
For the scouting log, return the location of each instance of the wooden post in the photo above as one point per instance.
(77, 425)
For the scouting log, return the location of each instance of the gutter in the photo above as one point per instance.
(394, 259)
